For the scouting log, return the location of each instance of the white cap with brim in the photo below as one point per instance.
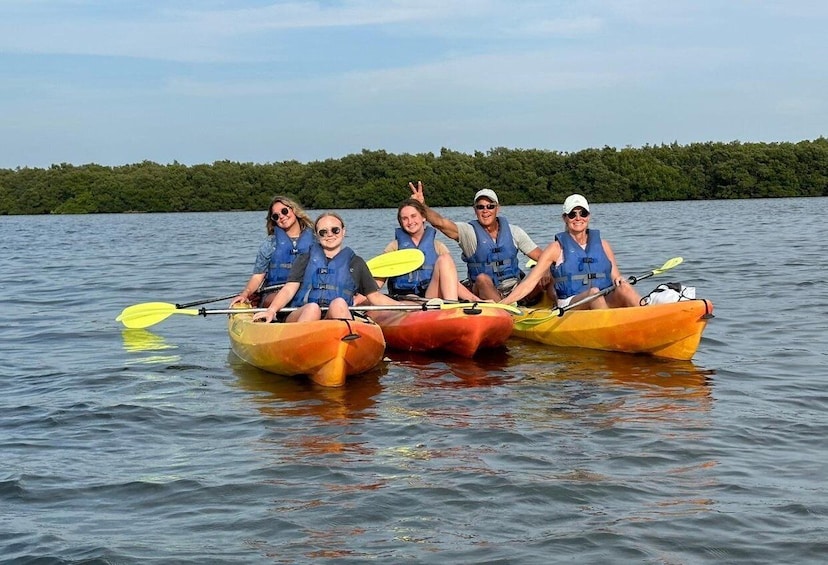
(575, 201)
(486, 193)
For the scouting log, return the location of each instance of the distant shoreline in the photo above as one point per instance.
(377, 179)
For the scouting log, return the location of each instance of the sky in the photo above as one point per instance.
(117, 82)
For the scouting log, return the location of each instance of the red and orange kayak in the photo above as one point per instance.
(327, 351)
(461, 331)
(663, 330)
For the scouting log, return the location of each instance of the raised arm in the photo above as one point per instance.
(446, 226)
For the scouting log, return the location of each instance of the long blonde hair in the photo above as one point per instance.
(301, 216)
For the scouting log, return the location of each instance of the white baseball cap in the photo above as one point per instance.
(574, 201)
(486, 193)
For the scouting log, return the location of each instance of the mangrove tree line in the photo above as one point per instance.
(377, 179)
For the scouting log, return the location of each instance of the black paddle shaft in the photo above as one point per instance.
(220, 298)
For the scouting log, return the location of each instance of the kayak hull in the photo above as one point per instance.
(460, 331)
(671, 331)
(326, 351)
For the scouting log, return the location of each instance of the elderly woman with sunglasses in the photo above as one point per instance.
(329, 276)
(581, 263)
(290, 233)
(489, 245)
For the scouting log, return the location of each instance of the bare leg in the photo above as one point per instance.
(597, 304)
(484, 288)
(444, 280)
(307, 313)
(338, 310)
(464, 293)
(623, 296)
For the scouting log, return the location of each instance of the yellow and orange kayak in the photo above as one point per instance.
(663, 330)
(327, 351)
(461, 331)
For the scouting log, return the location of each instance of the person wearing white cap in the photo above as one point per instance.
(581, 263)
(489, 246)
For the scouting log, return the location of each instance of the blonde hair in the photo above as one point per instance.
(328, 215)
(301, 216)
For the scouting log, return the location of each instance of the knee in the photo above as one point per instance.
(444, 262)
(312, 308)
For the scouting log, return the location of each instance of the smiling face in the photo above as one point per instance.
(577, 220)
(486, 211)
(411, 220)
(282, 216)
(330, 231)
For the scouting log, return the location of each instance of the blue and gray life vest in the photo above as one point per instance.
(415, 282)
(497, 259)
(581, 268)
(284, 254)
(326, 279)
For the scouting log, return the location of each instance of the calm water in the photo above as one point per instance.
(159, 446)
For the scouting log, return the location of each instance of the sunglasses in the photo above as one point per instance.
(334, 230)
(575, 213)
(485, 206)
(283, 212)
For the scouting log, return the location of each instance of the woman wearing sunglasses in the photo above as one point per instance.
(581, 264)
(290, 233)
(437, 277)
(329, 276)
(490, 245)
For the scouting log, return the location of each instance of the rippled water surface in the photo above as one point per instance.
(160, 446)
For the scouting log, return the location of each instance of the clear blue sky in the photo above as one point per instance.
(195, 81)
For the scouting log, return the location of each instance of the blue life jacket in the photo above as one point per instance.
(284, 254)
(498, 259)
(415, 282)
(326, 279)
(581, 268)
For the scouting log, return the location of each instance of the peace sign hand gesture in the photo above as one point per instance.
(417, 191)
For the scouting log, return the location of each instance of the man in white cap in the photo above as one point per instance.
(581, 263)
(490, 246)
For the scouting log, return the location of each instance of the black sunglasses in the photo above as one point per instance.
(275, 215)
(575, 213)
(485, 206)
(334, 230)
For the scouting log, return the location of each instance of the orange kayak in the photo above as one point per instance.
(663, 330)
(327, 351)
(452, 330)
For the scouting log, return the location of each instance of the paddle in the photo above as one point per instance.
(559, 311)
(263, 290)
(392, 264)
(155, 312)
(395, 263)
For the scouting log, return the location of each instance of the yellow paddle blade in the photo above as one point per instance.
(674, 262)
(396, 263)
(149, 313)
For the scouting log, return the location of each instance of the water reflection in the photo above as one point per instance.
(299, 397)
(139, 341)
(443, 370)
(606, 389)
